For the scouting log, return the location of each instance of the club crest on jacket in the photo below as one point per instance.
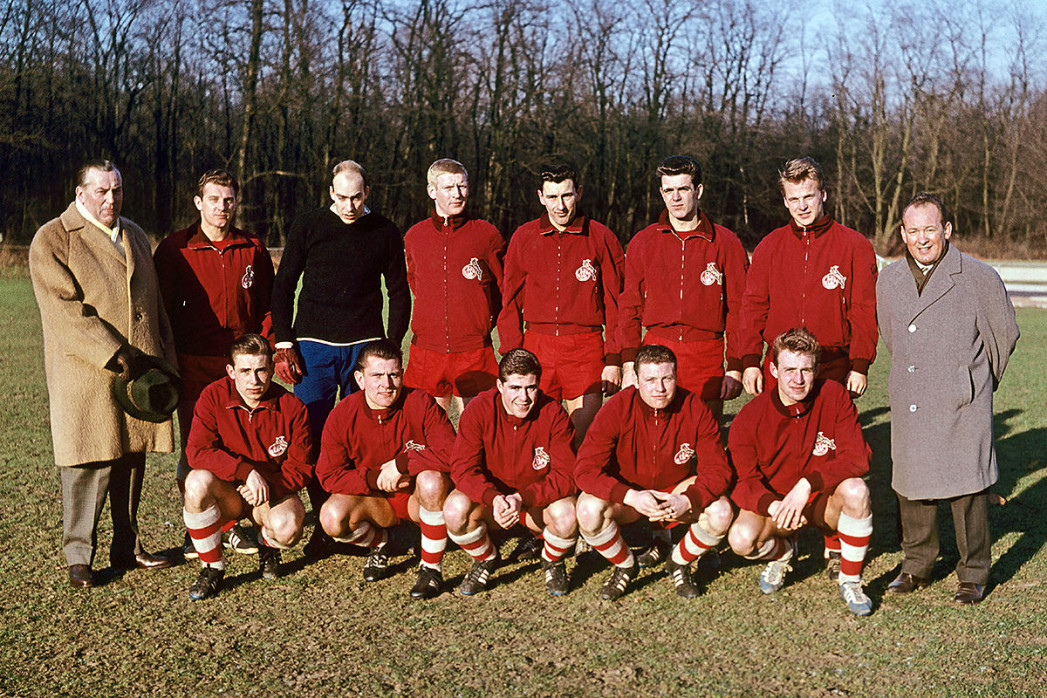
(711, 275)
(822, 444)
(685, 454)
(541, 458)
(473, 270)
(247, 280)
(278, 447)
(834, 279)
(412, 446)
(586, 272)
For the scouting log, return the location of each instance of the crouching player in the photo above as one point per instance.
(384, 458)
(653, 450)
(800, 457)
(512, 464)
(249, 450)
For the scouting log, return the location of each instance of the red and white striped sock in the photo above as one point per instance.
(556, 547)
(611, 545)
(366, 535)
(832, 543)
(695, 543)
(434, 537)
(854, 542)
(267, 539)
(774, 549)
(228, 526)
(205, 530)
(476, 542)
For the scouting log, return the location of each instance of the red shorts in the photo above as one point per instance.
(834, 365)
(197, 373)
(465, 373)
(699, 365)
(572, 364)
(398, 501)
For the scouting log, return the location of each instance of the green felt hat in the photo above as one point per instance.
(152, 392)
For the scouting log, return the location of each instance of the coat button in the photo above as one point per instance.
(138, 317)
(912, 328)
(912, 408)
(912, 369)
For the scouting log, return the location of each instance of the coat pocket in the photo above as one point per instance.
(964, 386)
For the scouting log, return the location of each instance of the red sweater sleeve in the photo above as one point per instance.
(439, 441)
(713, 472)
(862, 316)
(751, 491)
(630, 303)
(612, 267)
(736, 268)
(467, 461)
(205, 450)
(559, 481)
(336, 469)
(297, 467)
(598, 449)
(510, 320)
(756, 301)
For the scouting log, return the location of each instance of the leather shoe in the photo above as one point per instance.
(969, 593)
(906, 583)
(143, 561)
(80, 576)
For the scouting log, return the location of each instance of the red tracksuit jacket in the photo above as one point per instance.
(685, 286)
(562, 283)
(213, 293)
(823, 278)
(357, 441)
(454, 268)
(497, 453)
(772, 446)
(632, 446)
(229, 439)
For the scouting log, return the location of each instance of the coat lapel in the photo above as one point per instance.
(91, 236)
(940, 283)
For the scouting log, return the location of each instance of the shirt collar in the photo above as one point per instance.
(198, 239)
(796, 409)
(577, 226)
(383, 414)
(455, 222)
(232, 400)
(816, 229)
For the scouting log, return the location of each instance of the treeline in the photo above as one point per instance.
(891, 101)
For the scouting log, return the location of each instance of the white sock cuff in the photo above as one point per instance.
(556, 541)
(432, 518)
(603, 537)
(268, 539)
(203, 519)
(704, 537)
(469, 537)
(851, 526)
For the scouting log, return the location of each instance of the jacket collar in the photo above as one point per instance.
(198, 240)
(651, 413)
(705, 229)
(455, 222)
(231, 399)
(580, 225)
(74, 222)
(816, 229)
(797, 409)
(383, 414)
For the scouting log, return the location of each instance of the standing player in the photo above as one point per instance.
(800, 457)
(216, 281)
(512, 464)
(684, 280)
(342, 253)
(384, 458)
(563, 275)
(812, 273)
(454, 266)
(653, 451)
(251, 452)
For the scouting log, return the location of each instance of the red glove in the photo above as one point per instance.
(288, 365)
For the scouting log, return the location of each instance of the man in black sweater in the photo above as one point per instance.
(340, 252)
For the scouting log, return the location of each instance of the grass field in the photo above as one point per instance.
(320, 630)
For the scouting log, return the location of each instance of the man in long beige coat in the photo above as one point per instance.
(950, 328)
(100, 305)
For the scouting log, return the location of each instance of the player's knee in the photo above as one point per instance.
(198, 487)
(590, 513)
(855, 495)
(432, 488)
(560, 517)
(456, 511)
(718, 516)
(333, 518)
(285, 525)
(742, 540)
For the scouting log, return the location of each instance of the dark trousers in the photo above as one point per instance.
(970, 516)
(84, 490)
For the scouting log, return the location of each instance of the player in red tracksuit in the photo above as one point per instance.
(684, 280)
(653, 451)
(563, 275)
(385, 458)
(800, 457)
(250, 452)
(454, 268)
(216, 281)
(512, 465)
(812, 273)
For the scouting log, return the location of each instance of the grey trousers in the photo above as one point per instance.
(970, 516)
(84, 490)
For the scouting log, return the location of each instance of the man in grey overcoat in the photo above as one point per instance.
(950, 328)
(100, 306)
